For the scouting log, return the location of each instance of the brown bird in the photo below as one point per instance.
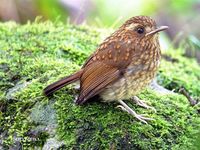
(121, 67)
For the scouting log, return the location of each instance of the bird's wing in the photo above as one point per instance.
(104, 67)
(94, 79)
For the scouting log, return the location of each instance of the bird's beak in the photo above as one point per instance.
(157, 30)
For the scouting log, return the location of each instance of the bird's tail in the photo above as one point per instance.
(61, 83)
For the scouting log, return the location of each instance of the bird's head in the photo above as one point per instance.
(143, 28)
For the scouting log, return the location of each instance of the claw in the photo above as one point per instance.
(142, 103)
(122, 108)
(126, 108)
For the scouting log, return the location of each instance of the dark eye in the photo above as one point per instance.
(140, 30)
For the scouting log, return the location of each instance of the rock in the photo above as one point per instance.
(160, 89)
(45, 52)
(52, 144)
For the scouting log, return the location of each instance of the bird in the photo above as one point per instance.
(121, 67)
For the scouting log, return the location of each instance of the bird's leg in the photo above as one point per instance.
(142, 103)
(126, 108)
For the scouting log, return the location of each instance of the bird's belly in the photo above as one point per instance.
(128, 86)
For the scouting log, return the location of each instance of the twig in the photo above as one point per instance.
(192, 101)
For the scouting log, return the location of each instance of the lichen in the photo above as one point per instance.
(36, 54)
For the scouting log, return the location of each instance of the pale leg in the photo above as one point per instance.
(142, 103)
(126, 108)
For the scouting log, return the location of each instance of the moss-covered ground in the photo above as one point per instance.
(37, 54)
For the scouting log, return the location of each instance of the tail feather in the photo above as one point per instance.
(61, 83)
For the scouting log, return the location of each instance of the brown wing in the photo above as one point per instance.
(95, 78)
(103, 67)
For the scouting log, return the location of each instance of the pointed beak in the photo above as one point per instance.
(157, 30)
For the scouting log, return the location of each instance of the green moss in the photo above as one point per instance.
(37, 54)
(183, 72)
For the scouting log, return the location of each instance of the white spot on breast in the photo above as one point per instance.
(129, 41)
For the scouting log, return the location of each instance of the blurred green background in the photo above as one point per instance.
(182, 16)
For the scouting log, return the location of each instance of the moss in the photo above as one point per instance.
(183, 72)
(36, 54)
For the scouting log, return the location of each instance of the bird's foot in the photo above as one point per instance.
(142, 103)
(126, 108)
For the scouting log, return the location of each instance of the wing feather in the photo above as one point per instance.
(95, 78)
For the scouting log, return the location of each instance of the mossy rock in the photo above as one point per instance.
(36, 54)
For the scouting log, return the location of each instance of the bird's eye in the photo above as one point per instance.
(140, 30)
